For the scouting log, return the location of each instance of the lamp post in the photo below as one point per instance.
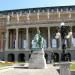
(64, 32)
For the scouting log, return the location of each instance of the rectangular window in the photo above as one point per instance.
(54, 43)
(73, 42)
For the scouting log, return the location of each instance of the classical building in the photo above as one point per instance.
(18, 27)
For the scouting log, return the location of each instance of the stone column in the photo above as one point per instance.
(60, 48)
(2, 42)
(59, 56)
(6, 56)
(16, 44)
(60, 43)
(71, 39)
(7, 38)
(27, 38)
(11, 38)
(26, 57)
(49, 47)
(16, 57)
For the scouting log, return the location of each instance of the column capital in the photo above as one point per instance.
(48, 27)
(17, 28)
(27, 27)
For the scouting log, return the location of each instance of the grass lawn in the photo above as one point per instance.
(5, 64)
(72, 66)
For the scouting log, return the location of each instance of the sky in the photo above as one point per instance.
(20, 4)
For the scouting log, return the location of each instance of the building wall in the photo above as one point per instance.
(17, 27)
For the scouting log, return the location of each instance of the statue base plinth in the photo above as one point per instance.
(37, 60)
(65, 68)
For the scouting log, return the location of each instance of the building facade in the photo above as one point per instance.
(18, 27)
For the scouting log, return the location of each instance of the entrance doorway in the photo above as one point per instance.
(56, 57)
(11, 57)
(21, 57)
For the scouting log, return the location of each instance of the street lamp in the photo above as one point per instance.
(65, 33)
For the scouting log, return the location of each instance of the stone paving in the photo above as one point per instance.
(18, 71)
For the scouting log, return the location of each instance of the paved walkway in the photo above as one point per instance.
(17, 71)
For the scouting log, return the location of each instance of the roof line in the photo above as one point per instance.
(36, 8)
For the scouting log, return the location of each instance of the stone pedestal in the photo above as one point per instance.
(37, 60)
(65, 68)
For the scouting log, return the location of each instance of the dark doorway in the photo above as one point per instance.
(11, 57)
(68, 57)
(21, 57)
(46, 57)
(56, 57)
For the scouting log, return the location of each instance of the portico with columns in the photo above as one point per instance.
(18, 40)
